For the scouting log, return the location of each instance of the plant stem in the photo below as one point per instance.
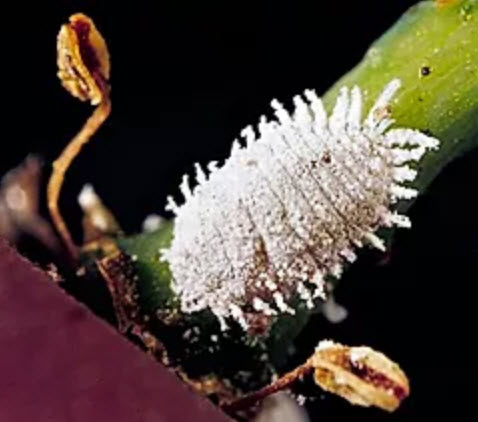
(284, 382)
(433, 49)
(61, 165)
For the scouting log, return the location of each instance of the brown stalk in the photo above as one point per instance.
(283, 383)
(61, 165)
(84, 68)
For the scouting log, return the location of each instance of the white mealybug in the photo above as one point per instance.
(289, 207)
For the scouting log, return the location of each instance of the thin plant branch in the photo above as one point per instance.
(61, 165)
(282, 383)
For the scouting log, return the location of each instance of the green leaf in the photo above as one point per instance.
(154, 277)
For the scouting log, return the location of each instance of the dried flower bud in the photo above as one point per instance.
(360, 375)
(286, 210)
(83, 59)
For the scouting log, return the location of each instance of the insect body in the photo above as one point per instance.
(289, 207)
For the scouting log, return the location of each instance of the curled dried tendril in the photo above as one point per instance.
(360, 375)
(83, 59)
(84, 70)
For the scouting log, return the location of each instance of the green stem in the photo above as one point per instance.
(434, 51)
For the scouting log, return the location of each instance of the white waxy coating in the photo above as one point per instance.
(290, 207)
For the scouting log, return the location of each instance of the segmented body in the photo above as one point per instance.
(289, 207)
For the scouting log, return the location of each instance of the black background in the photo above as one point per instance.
(187, 77)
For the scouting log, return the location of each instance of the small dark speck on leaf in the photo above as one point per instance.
(425, 71)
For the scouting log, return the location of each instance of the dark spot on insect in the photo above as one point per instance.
(313, 164)
(427, 132)
(383, 112)
(425, 70)
(251, 163)
(326, 158)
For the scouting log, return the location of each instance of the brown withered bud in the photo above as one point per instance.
(360, 375)
(83, 59)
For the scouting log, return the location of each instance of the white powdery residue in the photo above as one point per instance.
(291, 204)
(375, 241)
(263, 307)
(301, 399)
(305, 294)
(318, 281)
(379, 110)
(238, 315)
(152, 223)
(281, 304)
(91, 204)
(332, 311)
(359, 354)
(325, 344)
(404, 174)
(88, 197)
(270, 285)
(398, 220)
(349, 255)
